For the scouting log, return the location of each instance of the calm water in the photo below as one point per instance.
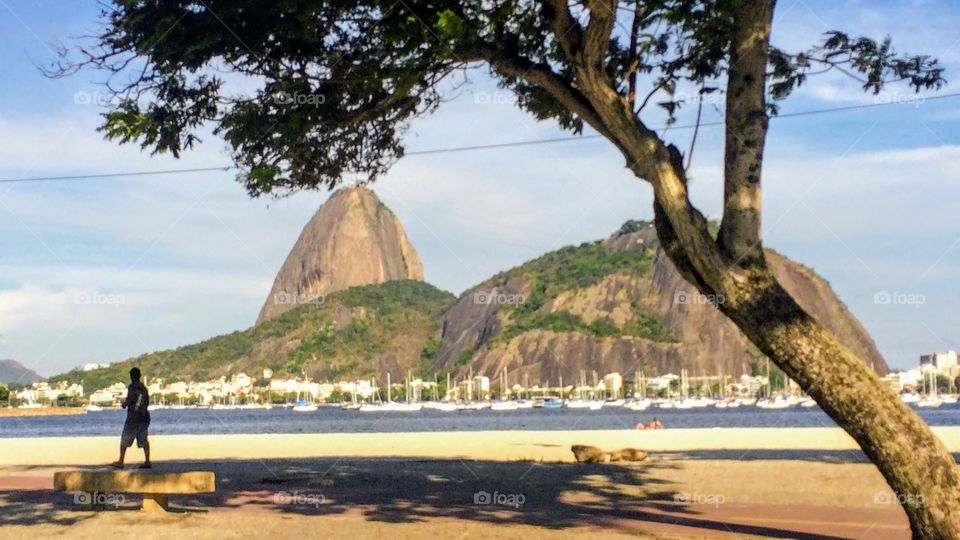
(335, 420)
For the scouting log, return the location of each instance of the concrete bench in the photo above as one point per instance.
(155, 487)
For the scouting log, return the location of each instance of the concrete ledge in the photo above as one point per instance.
(150, 483)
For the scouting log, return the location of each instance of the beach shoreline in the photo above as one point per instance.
(13, 412)
(551, 446)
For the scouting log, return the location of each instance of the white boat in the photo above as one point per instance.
(350, 405)
(504, 406)
(777, 403)
(615, 402)
(405, 407)
(446, 406)
(930, 403)
(475, 406)
(808, 402)
(637, 405)
(700, 403)
(31, 406)
(309, 407)
(577, 404)
(910, 398)
(391, 406)
(596, 405)
(524, 404)
(93, 408)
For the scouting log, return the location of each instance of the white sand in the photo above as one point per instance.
(479, 445)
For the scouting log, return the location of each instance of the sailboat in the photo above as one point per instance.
(304, 406)
(504, 404)
(931, 401)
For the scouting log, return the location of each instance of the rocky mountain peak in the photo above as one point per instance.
(353, 239)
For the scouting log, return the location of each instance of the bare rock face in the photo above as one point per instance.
(352, 240)
(482, 336)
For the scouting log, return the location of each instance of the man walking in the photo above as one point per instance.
(138, 420)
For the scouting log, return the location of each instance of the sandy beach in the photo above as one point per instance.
(13, 412)
(758, 482)
(478, 445)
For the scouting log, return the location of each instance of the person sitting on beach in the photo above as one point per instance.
(138, 420)
(654, 424)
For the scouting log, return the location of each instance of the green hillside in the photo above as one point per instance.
(571, 269)
(345, 335)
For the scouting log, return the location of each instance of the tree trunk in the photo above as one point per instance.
(915, 463)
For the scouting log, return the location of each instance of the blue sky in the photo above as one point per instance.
(99, 270)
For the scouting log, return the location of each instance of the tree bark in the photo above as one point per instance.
(913, 460)
(915, 463)
(746, 131)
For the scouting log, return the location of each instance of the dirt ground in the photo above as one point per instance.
(733, 494)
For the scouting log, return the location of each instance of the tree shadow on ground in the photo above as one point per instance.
(625, 497)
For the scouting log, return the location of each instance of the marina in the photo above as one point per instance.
(431, 416)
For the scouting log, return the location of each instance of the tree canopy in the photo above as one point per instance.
(337, 82)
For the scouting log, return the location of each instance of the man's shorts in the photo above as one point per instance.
(134, 431)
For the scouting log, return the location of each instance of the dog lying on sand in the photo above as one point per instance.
(592, 454)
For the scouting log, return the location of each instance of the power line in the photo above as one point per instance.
(450, 150)
(114, 175)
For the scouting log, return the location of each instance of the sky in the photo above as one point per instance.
(103, 269)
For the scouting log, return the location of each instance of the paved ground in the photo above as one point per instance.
(672, 496)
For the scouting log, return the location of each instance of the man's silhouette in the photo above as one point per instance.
(138, 420)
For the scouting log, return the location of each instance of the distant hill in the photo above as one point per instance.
(12, 371)
(358, 332)
(617, 305)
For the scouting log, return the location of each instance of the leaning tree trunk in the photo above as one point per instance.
(915, 463)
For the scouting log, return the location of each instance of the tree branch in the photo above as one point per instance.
(746, 132)
(596, 39)
(565, 28)
(542, 75)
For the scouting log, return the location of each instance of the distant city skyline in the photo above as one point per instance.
(104, 269)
